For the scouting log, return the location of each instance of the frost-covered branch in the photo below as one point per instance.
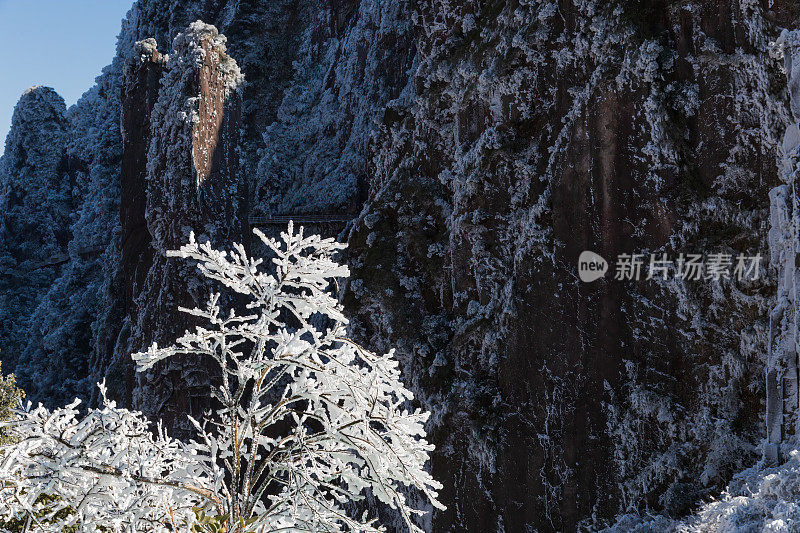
(307, 420)
(105, 468)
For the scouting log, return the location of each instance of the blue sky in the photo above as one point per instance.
(59, 43)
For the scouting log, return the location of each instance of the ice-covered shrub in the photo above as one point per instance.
(307, 420)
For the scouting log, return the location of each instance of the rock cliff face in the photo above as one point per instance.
(140, 86)
(53, 356)
(193, 183)
(537, 130)
(180, 128)
(35, 204)
(480, 146)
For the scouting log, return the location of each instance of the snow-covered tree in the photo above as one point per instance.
(307, 421)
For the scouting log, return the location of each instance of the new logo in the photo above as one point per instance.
(591, 266)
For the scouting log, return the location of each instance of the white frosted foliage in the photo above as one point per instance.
(307, 420)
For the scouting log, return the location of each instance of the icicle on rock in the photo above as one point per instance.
(783, 401)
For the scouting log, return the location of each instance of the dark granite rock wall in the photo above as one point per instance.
(480, 146)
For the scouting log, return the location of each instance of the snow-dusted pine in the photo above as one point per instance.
(307, 420)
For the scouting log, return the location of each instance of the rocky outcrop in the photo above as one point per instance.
(140, 87)
(35, 204)
(133, 252)
(192, 184)
(35, 177)
(60, 353)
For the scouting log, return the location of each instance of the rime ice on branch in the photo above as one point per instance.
(307, 421)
